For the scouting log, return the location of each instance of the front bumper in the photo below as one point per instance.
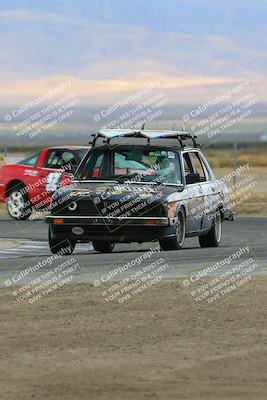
(113, 221)
(120, 230)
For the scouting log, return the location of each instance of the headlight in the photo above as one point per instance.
(73, 206)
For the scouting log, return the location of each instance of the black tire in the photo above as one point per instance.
(18, 204)
(177, 242)
(65, 246)
(103, 247)
(213, 237)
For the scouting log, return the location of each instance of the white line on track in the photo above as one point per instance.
(30, 248)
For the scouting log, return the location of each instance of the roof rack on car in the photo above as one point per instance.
(108, 134)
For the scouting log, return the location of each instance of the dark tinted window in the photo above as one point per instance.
(188, 167)
(198, 166)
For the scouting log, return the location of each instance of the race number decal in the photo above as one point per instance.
(52, 180)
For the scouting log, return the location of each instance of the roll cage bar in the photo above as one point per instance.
(108, 134)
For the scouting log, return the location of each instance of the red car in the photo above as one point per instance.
(31, 182)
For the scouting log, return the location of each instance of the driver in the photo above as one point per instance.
(166, 168)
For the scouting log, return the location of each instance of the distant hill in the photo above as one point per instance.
(80, 125)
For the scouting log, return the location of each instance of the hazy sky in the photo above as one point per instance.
(109, 44)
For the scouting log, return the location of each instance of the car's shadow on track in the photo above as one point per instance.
(146, 249)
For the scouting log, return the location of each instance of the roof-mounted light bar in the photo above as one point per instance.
(108, 134)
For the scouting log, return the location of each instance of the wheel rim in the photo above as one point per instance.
(180, 230)
(16, 204)
(218, 226)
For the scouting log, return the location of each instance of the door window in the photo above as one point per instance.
(98, 166)
(58, 159)
(188, 166)
(198, 166)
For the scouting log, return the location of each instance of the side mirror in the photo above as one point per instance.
(192, 178)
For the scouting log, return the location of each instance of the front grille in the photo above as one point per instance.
(113, 209)
(138, 209)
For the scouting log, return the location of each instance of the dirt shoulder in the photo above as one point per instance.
(71, 347)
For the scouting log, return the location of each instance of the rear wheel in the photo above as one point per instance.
(103, 247)
(213, 237)
(177, 242)
(65, 246)
(18, 204)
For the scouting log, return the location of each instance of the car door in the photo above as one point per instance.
(31, 176)
(193, 195)
(48, 175)
(61, 160)
(38, 193)
(211, 192)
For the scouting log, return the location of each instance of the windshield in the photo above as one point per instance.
(135, 164)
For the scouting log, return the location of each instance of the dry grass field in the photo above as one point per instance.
(256, 204)
(223, 158)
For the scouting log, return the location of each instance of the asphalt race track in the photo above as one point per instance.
(27, 246)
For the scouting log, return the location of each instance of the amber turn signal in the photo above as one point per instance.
(150, 222)
(58, 221)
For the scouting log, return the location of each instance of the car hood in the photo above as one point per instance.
(111, 199)
(113, 191)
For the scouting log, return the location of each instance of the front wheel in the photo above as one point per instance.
(213, 237)
(64, 247)
(177, 242)
(18, 205)
(103, 247)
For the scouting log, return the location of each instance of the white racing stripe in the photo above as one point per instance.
(29, 248)
(25, 248)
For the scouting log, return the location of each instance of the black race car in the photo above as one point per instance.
(153, 187)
